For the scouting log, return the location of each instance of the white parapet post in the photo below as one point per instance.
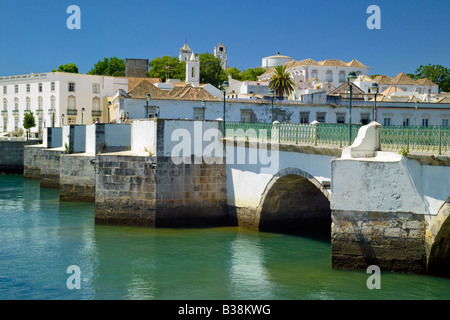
(366, 144)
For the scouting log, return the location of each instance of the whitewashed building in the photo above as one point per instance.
(55, 98)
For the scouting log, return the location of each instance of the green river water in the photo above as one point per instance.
(41, 237)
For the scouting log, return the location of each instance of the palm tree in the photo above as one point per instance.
(281, 82)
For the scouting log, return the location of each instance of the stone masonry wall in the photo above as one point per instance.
(125, 190)
(32, 162)
(12, 155)
(50, 167)
(77, 178)
(392, 241)
(154, 192)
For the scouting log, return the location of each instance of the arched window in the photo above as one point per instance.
(314, 74)
(16, 104)
(96, 104)
(342, 76)
(5, 104)
(28, 103)
(71, 102)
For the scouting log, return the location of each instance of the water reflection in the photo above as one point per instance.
(248, 276)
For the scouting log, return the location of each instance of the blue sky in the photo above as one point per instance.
(34, 36)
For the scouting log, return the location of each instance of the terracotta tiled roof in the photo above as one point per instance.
(188, 92)
(391, 90)
(382, 79)
(343, 89)
(426, 82)
(132, 82)
(332, 63)
(356, 63)
(140, 90)
(403, 79)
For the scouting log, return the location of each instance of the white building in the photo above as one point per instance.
(185, 53)
(220, 51)
(274, 61)
(327, 72)
(55, 98)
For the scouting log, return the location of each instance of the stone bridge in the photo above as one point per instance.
(378, 207)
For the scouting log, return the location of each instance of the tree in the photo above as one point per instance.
(252, 74)
(109, 67)
(167, 67)
(211, 71)
(281, 82)
(235, 73)
(28, 122)
(69, 67)
(436, 73)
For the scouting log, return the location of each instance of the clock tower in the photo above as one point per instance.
(220, 51)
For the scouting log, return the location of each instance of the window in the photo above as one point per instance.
(40, 87)
(16, 123)
(330, 76)
(152, 112)
(71, 102)
(387, 121)
(198, 114)
(340, 118)
(5, 89)
(193, 72)
(425, 122)
(40, 103)
(5, 104)
(28, 88)
(16, 89)
(52, 87)
(246, 116)
(71, 120)
(445, 122)
(52, 102)
(342, 76)
(96, 104)
(364, 118)
(5, 124)
(314, 74)
(406, 122)
(304, 117)
(71, 87)
(95, 88)
(28, 103)
(40, 123)
(16, 104)
(320, 116)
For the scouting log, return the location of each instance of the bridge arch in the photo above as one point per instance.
(295, 202)
(439, 232)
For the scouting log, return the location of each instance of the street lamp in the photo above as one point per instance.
(272, 95)
(351, 76)
(156, 115)
(224, 88)
(375, 89)
(109, 105)
(82, 110)
(203, 108)
(147, 98)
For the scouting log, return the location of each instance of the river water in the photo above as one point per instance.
(41, 237)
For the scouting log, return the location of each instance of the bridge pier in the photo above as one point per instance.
(383, 206)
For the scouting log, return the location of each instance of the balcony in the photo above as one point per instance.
(39, 112)
(72, 112)
(4, 113)
(15, 112)
(96, 113)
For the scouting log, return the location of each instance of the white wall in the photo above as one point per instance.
(393, 184)
(90, 138)
(143, 136)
